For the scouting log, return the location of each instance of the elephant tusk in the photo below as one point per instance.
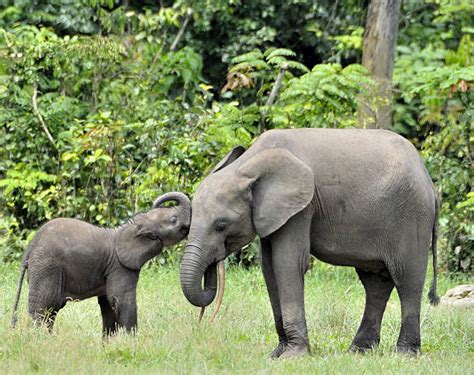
(220, 292)
(201, 314)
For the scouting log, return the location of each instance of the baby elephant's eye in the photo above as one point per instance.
(152, 236)
(173, 219)
(221, 226)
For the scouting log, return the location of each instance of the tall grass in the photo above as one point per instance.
(171, 341)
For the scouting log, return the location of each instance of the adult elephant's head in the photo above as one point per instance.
(247, 193)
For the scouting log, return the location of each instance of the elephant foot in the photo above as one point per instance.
(409, 350)
(292, 351)
(363, 347)
(278, 351)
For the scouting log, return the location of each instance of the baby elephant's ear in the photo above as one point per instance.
(134, 246)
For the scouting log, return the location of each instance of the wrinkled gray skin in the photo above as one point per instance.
(70, 259)
(358, 198)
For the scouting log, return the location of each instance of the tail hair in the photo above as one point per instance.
(24, 266)
(432, 295)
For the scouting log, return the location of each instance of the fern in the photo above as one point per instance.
(249, 56)
(335, 91)
(325, 97)
(277, 60)
(298, 66)
(243, 66)
(269, 54)
(249, 65)
(260, 67)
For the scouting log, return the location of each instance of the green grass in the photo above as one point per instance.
(171, 341)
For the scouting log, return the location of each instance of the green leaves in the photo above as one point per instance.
(24, 178)
(325, 97)
(97, 156)
(130, 119)
(255, 55)
(261, 74)
(274, 52)
(435, 95)
(256, 65)
(124, 118)
(296, 66)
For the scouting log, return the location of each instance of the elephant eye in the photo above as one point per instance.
(151, 236)
(173, 219)
(146, 233)
(221, 226)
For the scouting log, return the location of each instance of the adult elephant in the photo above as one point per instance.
(358, 198)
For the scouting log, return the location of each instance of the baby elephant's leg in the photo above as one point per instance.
(109, 323)
(121, 294)
(46, 298)
(125, 308)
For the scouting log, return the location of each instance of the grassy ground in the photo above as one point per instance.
(171, 341)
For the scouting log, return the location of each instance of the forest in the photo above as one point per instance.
(106, 104)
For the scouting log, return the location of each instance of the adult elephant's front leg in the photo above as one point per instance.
(272, 288)
(290, 259)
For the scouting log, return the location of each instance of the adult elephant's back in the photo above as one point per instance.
(350, 157)
(371, 186)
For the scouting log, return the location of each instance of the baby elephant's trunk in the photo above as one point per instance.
(182, 200)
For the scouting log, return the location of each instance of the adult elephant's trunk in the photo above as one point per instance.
(183, 201)
(194, 267)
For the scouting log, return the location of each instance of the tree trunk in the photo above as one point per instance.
(380, 39)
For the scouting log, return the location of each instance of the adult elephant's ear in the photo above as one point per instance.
(229, 158)
(281, 186)
(135, 244)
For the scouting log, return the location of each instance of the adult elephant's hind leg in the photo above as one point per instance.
(408, 272)
(410, 290)
(377, 292)
(272, 288)
(109, 323)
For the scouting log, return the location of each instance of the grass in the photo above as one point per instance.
(171, 341)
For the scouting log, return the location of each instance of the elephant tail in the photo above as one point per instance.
(432, 295)
(24, 266)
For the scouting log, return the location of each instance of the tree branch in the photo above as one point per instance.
(273, 94)
(181, 31)
(38, 114)
(332, 15)
(277, 85)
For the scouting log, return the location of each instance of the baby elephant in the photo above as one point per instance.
(69, 259)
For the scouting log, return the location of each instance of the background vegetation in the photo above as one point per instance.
(105, 104)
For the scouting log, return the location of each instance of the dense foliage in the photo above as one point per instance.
(434, 77)
(105, 104)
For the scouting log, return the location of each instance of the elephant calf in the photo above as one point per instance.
(70, 259)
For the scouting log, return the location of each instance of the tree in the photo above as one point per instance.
(380, 39)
